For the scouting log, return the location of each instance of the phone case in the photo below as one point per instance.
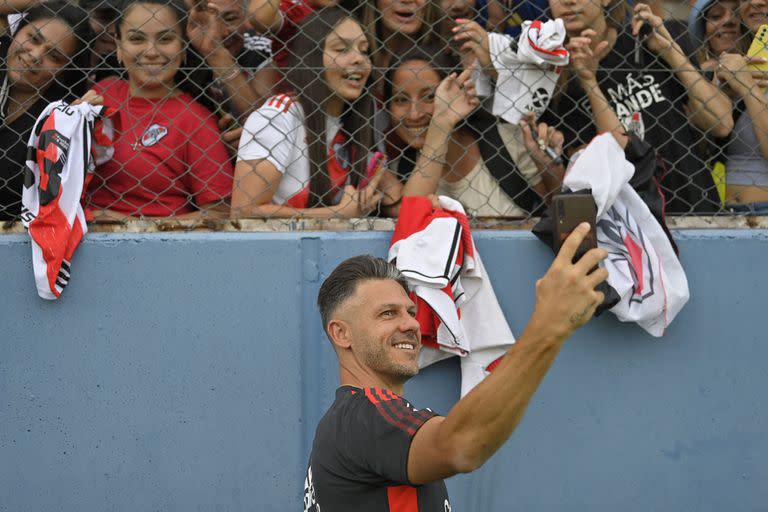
(570, 210)
(759, 48)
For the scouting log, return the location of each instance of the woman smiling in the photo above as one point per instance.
(45, 60)
(169, 159)
(309, 154)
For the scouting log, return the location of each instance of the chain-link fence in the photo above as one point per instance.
(230, 109)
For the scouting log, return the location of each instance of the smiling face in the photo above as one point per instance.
(579, 15)
(413, 101)
(402, 16)
(721, 26)
(38, 52)
(384, 330)
(151, 48)
(345, 61)
(753, 13)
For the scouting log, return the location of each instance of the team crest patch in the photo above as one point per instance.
(153, 134)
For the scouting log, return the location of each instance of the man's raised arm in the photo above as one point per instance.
(484, 419)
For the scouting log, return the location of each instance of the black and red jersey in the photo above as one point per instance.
(359, 457)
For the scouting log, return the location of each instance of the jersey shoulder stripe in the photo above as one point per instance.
(280, 102)
(396, 411)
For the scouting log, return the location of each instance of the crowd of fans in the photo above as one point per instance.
(328, 108)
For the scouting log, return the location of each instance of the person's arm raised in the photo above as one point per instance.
(733, 70)
(709, 108)
(265, 15)
(484, 419)
(206, 32)
(455, 99)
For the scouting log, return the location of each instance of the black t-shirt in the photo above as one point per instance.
(14, 138)
(650, 101)
(13, 156)
(359, 457)
(13, 143)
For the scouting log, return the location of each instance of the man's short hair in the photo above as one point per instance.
(343, 281)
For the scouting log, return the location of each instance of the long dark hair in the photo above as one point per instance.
(72, 81)
(306, 77)
(189, 75)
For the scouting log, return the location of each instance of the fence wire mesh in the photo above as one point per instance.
(291, 109)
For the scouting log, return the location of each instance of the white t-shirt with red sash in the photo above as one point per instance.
(275, 132)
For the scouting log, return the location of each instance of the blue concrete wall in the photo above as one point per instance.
(186, 372)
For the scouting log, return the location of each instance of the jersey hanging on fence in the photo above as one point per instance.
(456, 307)
(60, 160)
(642, 265)
(650, 101)
(528, 69)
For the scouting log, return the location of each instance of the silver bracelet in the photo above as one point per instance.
(232, 74)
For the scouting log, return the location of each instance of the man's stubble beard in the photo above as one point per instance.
(377, 359)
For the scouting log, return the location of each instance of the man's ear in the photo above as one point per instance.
(339, 333)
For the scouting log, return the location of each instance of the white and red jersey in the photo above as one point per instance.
(61, 159)
(527, 71)
(457, 309)
(642, 265)
(276, 133)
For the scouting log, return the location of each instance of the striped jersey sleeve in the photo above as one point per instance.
(396, 411)
(271, 132)
(390, 423)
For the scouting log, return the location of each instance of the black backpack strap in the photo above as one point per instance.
(501, 164)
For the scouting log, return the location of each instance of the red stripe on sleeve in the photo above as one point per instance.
(394, 410)
(387, 415)
(281, 102)
(369, 396)
(382, 394)
(388, 410)
(402, 498)
(402, 416)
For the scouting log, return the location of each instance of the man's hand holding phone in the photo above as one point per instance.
(569, 211)
(565, 296)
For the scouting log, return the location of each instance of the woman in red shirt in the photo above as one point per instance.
(168, 157)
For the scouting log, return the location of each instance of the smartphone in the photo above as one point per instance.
(759, 48)
(570, 210)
